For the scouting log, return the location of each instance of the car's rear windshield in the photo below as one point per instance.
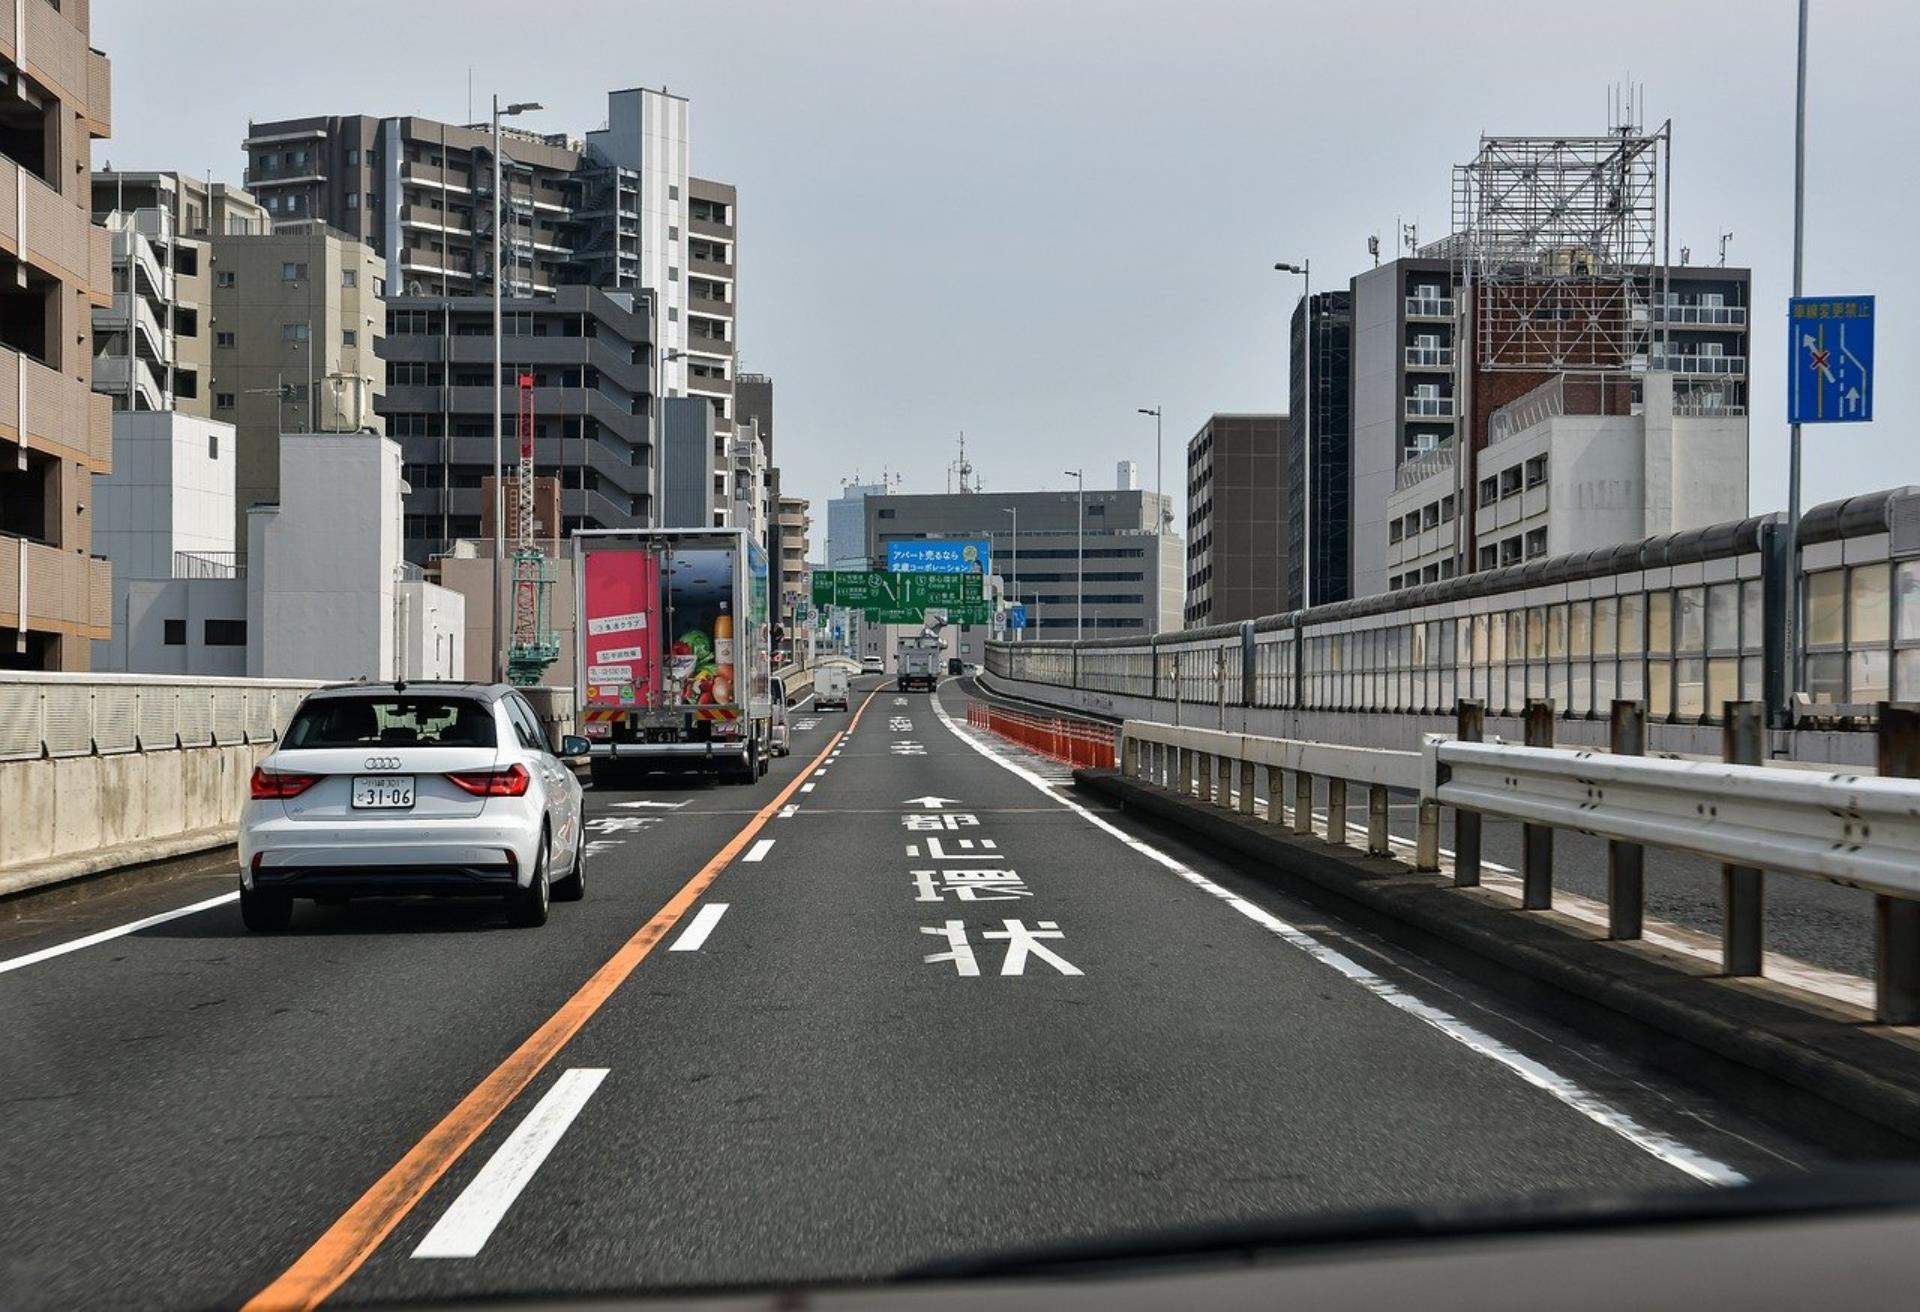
(391, 721)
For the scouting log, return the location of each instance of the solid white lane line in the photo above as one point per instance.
(118, 931)
(694, 936)
(1678, 1155)
(465, 1227)
(758, 852)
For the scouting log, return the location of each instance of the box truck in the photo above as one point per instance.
(916, 662)
(673, 662)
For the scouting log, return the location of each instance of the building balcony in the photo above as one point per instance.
(1730, 316)
(711, 308)
(65, 590)
(700, 268)
(1419, 468)
(110, 377)
(59, 414)
(1429, 407)
(708, 228)
(42, 228)
(1430, 357)
(1430, 307)
(1699, 366)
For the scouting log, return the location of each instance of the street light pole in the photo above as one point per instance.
(1305, 270)
(1080, 559)
(1160, 515)
(499, 410)
(1793, 651)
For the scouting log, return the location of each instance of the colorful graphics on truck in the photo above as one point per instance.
(622, 606)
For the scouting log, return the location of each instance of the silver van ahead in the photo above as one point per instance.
(831, 687)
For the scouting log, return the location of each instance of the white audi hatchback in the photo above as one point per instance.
(396, 789)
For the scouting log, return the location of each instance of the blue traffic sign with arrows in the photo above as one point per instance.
(1830, 360)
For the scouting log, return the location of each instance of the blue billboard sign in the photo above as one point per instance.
(1830, 360)
(941, 556)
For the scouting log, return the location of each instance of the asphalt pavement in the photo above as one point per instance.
(906, 999)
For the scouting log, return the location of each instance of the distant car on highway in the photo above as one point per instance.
(449, 789)
(830, 687)
(872, 665)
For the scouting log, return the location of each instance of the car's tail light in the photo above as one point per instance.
(278, 783)
(510, 782)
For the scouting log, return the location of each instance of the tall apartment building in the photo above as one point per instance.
(615, 209)
(591, 356)
(297, 323)
(1238, 556)
(846, 546)
(153, 346)
(1555, 461)
(1330, 498)
(56, 433)
(791, 529)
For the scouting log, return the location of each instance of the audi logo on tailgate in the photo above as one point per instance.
(383, 763)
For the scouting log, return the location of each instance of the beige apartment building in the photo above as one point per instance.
(793, 524)
(296, 316)
(55, 270)
(153, 346)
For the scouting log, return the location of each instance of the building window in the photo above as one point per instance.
(1489, 491)
(174, 633)
(673, 274)
(353, 200)
(349, 277)
(673, 192)
(223, 400)
(223, 278)
(292, 272)
(1394, 530)
(293, 332)
(353, 154)
(1536, 543)
(213, 446)
(349, 337)
(225, 633)
(1536, 471)
(223, 339)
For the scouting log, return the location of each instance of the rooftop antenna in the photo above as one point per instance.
(1373, 248)
(961, 466)
(1410, 236)
(1686, 253)
(1725, 237)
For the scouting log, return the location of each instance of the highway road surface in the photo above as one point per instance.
(907, 999)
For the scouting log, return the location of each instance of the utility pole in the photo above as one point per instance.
(1793, 649)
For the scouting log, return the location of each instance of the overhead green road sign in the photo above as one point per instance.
(881, 590)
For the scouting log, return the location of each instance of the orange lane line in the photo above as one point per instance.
(352, 1239)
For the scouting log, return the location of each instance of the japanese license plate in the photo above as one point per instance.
(382, 791)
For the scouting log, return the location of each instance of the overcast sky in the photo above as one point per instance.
(1026, 219)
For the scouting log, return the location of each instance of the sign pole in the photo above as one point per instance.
(1793, 650)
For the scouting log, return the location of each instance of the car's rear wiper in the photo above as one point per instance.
(1842, 1189)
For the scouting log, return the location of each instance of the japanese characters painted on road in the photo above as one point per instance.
(1022, 945)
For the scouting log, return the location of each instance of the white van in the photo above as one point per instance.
(830, 687)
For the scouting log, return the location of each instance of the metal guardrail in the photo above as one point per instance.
(54, 715)
(1848, 828)
(1202, 763)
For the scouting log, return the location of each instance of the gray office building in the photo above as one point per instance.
(1129, 582)
(591, 355)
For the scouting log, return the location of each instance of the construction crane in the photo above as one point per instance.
(534, 645)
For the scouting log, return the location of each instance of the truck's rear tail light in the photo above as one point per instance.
(278, 783)
(510, 782)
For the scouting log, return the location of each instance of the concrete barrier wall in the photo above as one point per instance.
(67, 817)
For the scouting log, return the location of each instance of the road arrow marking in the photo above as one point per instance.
(931, 803)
